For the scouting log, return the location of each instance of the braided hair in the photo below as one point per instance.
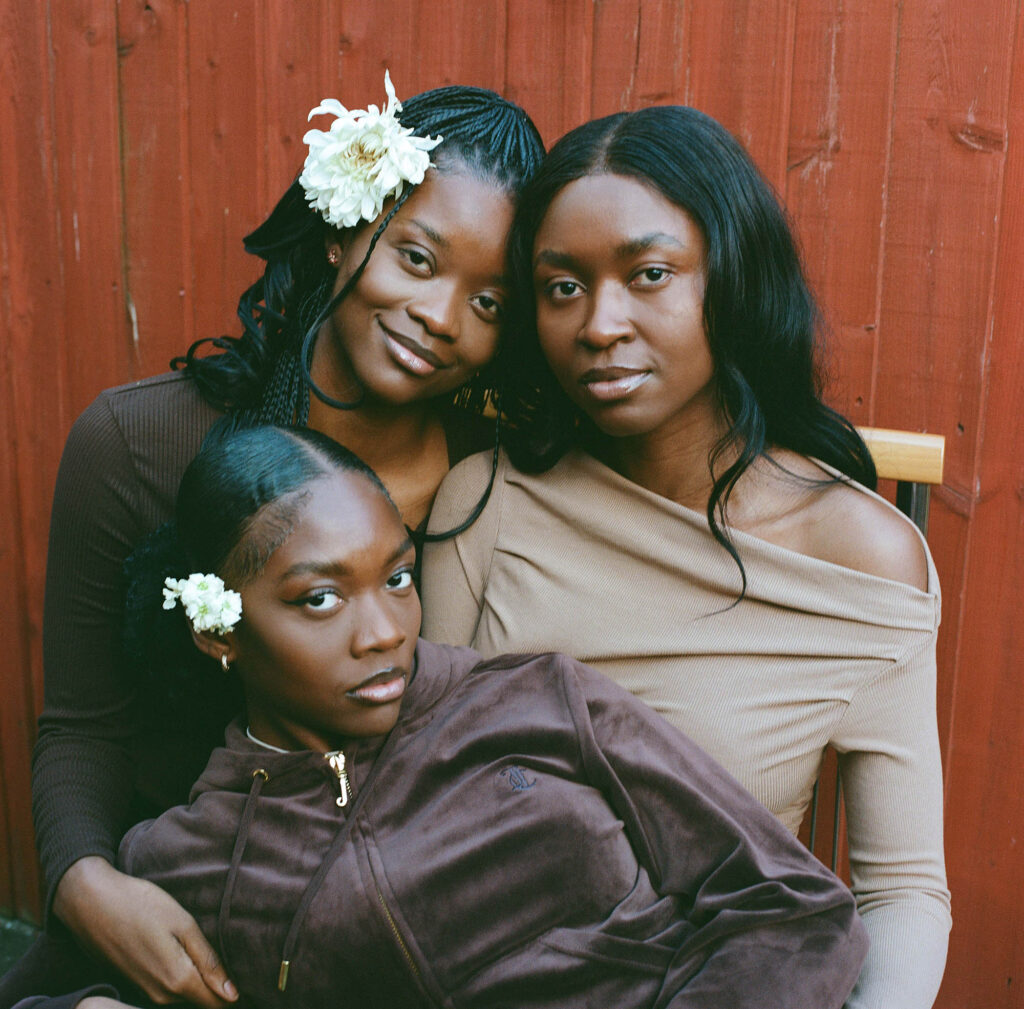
(261, 377)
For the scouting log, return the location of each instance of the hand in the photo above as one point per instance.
(144, 932)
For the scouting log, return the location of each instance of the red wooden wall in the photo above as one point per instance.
(140, 140)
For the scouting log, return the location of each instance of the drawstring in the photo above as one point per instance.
(259, 778)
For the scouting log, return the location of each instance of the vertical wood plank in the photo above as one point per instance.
(299, 70)
(467, 45)
(550, 53)
(843, 71)
(639, 55)
(33, 415)
(750, 43)
(984, 800)
(225, 128)
(83, 38)
(159, 292)
(949, 135)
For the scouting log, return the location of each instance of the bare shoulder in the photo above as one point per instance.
(842, 524)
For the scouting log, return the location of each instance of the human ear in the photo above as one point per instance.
(334, 248)
(220, 647)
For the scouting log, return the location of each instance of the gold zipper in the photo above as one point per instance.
(398, 935)
(337, 762)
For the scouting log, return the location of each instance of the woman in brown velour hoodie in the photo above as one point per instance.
(395, 823)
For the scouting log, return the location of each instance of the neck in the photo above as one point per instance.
(403, 443)
(380, 433)
(672, 461)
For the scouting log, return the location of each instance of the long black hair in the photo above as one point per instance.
(761, 320)
(258, 376)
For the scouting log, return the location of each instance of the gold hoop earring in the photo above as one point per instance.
(224, 664)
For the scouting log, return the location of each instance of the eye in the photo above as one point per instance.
(400, 580)
(321, 601)
(416, 259)
(489, 308)
(650, 276)
(562, 289)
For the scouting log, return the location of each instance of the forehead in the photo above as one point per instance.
(460, 211)
(339, 518)
(609, 211)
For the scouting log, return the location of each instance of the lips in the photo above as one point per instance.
(609, 385)
(410, 354)
(381, 688)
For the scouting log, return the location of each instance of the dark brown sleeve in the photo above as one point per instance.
(117, 481)
(81, 774)
(773, 927)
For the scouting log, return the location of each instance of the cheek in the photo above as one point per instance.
(556, 334)
(479, 343)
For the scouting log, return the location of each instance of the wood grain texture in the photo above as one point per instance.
(985, 804)
(754, 43)
(838, 156)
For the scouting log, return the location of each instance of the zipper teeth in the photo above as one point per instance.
(398, 935)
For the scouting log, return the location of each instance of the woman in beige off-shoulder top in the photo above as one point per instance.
(679, 509)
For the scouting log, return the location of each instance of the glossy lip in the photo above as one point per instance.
(608, 385)
(410, 354)
(381, 688)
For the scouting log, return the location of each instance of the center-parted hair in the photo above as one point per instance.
(258, 376)
(761, 321)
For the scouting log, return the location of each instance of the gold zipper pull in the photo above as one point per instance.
(337, 762)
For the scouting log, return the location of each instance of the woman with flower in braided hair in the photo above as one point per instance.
(377, 322)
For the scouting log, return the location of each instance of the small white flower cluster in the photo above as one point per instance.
(365, 159)
(207, 604)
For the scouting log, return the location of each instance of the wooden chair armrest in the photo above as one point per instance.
(909, 456)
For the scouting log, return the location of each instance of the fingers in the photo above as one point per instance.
(215, 987)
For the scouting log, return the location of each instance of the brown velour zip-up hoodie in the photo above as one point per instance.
(529, 835)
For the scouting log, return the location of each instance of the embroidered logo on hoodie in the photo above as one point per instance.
(517, 778)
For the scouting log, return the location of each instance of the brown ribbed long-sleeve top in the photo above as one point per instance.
(117, 482)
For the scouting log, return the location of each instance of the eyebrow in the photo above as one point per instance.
(635, 246)
(435, 236)
(339, 568)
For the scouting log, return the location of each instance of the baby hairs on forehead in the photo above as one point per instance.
(762, 323)
(243, 494)
(259, 375)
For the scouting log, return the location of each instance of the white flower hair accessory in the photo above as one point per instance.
(207, 604)
(364, 159)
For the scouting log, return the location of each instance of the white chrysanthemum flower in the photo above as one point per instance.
(364, 159)
(207, 604)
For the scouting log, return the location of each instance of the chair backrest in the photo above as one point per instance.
(915, 461)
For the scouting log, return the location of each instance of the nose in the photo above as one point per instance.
(378, 627)
(607, 321)
(436, 308)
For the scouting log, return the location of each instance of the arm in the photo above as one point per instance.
(82, 776)
(455, 570)
(892, 782)
(82, 772)
(771, 925)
